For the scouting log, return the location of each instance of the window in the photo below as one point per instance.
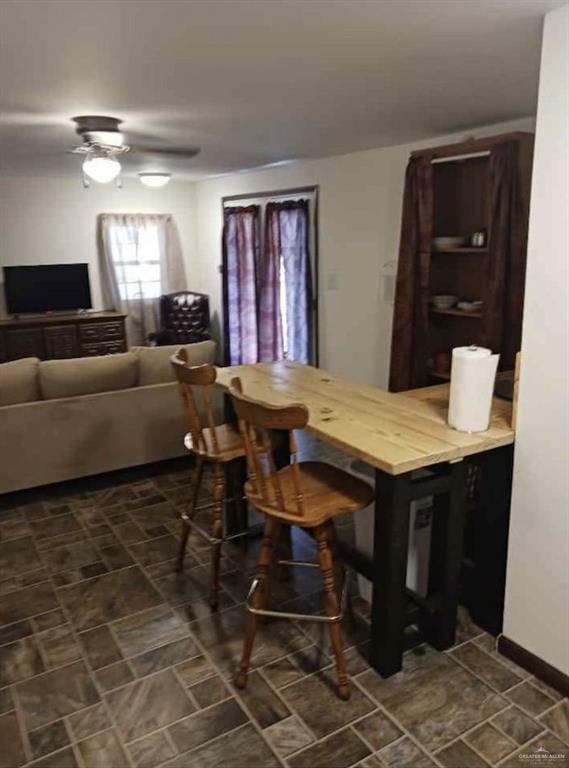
(136, 259)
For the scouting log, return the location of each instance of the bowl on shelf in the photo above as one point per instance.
(443, 301)
(449, 243)
(470, 306)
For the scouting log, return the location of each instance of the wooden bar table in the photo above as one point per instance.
(396, 434)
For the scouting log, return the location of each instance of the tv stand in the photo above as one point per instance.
(62, 335)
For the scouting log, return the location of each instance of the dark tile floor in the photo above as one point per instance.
(110, 659)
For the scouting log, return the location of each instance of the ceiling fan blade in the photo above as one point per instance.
(182, 152)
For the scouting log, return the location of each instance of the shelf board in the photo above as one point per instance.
(455, 312)
(460, 250)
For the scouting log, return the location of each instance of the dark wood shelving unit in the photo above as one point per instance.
(463, 250)
(456, 313)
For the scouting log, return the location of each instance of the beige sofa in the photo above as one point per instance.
(63, 419)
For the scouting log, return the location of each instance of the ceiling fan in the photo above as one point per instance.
(103, 144)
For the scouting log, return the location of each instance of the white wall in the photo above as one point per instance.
(361, 195)
(537, 588)
(53, 220)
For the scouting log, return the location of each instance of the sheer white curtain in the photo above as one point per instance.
(141, 259)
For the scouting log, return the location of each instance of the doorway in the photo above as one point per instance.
(270, 276)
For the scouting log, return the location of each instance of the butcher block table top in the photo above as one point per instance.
(394, 432)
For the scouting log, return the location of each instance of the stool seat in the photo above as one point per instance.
(229, 442)
(327, 491)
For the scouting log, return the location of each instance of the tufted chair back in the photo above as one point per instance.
(184, 318)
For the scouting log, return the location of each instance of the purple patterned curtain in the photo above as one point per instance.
(270, 319)
(241, 246)
(293, 218)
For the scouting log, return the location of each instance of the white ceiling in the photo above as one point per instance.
(255, 82)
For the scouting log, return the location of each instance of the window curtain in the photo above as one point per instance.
(240, 250)
(114, 232)
(270, 321)
(507, 262)
(288, 235)
(411, 311)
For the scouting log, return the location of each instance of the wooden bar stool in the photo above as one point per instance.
(217, 444)
(308, 494)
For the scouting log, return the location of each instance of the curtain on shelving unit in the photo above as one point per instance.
(411, 312)
(507, 258)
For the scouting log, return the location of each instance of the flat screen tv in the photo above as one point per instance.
(47, 288)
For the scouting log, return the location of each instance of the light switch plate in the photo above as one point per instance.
(332, 281)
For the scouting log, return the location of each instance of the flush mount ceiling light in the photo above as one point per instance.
(155, 179)
(101, 166)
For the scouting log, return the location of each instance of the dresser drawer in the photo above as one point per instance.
(103, 348)
(101, 331)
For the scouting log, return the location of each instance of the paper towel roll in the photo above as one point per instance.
(472, 376)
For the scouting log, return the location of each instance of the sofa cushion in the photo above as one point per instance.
(87, 375)
(155, 367)
(19, 381)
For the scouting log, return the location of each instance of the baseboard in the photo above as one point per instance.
(538, 667)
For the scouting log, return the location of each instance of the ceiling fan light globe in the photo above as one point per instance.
(100, 168)
(154, 180)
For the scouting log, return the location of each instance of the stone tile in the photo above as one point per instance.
(192, 584)
(551, 692)
(13, 632)
(530, 698)
(149, 704)
(12, 753)
(89, 571)
(73, 537)
(488, 644)
(458, 755)
(193, 670)
(17, 557)
(378, 730)
(106, 598)
(148, 629)
(114, 676)
(533, 753)
(19, 661)
(6, 701)
(13, 529)
(48, 739)
(291, 668)
(59, 646)
(210, 691)
(89, 721)
(100, 647)
(151, 751)
(54, 526)
(371, 762)
(557, 720)
(23, 580)
(340, 750)
(222, 634)
(207, 724)
(55, 694)
(103, 750)
(262, 702)
(129, 532)
(65, 758)
(24, 603)
(164, 656)
(116, 556)
(517, 725)
(433, 697)
(70, 556)
(314, 699)
(48, 620)
(155, 550)
(151, 516)
(252, 750)
(288, 736)
(492, 672)
(491, 744)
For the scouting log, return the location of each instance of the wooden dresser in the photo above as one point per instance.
(52, 337)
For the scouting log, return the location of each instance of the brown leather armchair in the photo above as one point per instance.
(184, 319)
